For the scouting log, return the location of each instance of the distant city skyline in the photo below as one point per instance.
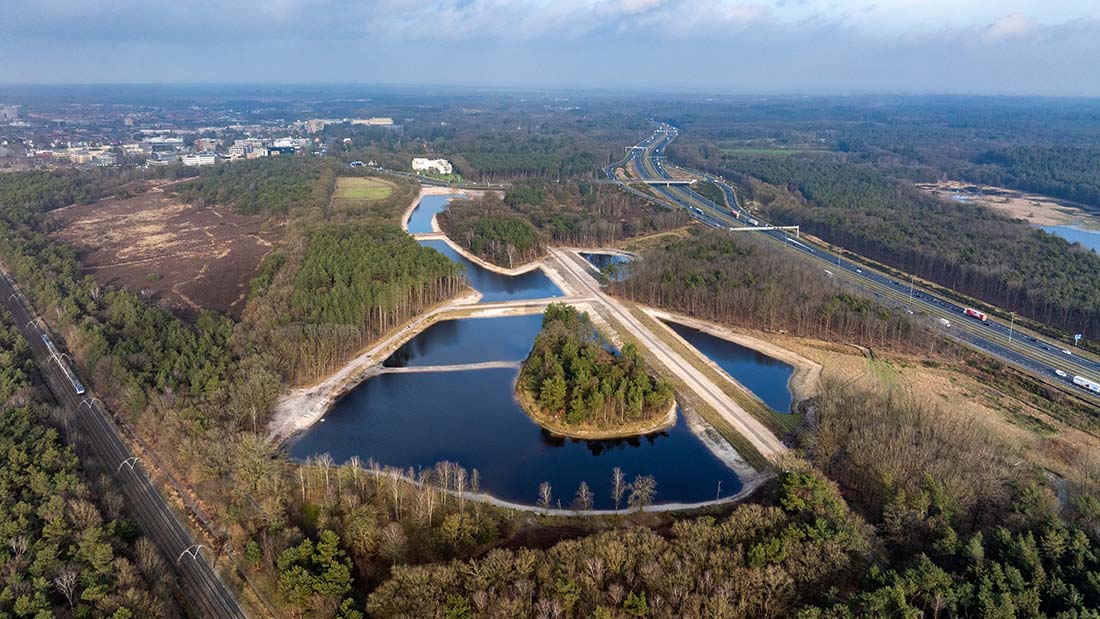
(1016, 47)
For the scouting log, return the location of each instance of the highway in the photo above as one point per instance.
(1024, 350)
(99, 442)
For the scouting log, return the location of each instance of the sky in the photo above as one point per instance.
(1015, 47)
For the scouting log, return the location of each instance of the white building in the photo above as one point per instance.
(198, 159)
(439, 166)
(374, 121)
(291, 143)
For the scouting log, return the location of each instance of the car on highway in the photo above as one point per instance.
(1061, 373)
(1066, 351)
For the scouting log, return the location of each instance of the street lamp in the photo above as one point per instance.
(1011, 324)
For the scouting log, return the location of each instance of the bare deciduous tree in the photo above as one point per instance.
(584, 499)
(618, 486)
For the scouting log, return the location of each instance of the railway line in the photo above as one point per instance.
(100, 444)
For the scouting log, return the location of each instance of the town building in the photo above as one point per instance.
(207, 144)
(199, 159)
(439, 166)
(377, 121)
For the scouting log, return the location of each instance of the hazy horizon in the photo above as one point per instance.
(761, 47)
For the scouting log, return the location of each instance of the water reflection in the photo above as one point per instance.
(472, 418)
(765, 376)
(420, 221)
(615, 266)
(470, 340)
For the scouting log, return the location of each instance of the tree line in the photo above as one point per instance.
(572, 377)
(963, 247)
(515, 229)
(1063, 172)
(943, 525)
(741, 280)
(69, 550)
(269, 184)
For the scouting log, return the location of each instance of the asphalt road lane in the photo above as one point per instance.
(1002, 341)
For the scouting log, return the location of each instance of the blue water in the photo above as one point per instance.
(472, 418)
(496, 286)
(1087, 238)
(493, 286)
(420, 221)
(614, 266)
(469, 340)
(763, 375)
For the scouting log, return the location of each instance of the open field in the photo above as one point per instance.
(1000, 404)
(351, 190)
(183, 257)
(1035, 209)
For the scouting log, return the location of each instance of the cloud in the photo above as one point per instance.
(1010, 27)
(1033, 46)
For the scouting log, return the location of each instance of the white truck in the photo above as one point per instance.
(1091, 385)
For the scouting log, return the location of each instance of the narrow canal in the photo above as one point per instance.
(765, 376)
(493, 286)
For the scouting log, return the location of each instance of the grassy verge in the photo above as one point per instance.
(778, 423)
(688, 397)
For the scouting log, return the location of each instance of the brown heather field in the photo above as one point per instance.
(180, 256)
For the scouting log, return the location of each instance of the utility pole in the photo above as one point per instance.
(910, 289)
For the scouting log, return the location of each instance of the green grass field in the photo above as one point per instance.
(358, 189)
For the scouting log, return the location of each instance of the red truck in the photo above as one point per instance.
(973, 313)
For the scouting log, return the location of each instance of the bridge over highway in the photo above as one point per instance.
(1033, 354)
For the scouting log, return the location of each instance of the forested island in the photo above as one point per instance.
(534, 213)
(572, 385)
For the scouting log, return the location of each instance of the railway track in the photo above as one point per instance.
(99, 441)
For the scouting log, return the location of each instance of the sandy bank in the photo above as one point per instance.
(557, 428)
(748, 486)
(541, 263)
(301, 407)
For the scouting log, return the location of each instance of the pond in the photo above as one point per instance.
(472, 418)
(615, 266)
(496, 286)
(765, 376)
(1090, 239)
(493, 286)
(469, 340)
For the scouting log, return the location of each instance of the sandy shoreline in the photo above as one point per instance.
(748, 486)
(1035, 209)
(530, 408)
(300, 408)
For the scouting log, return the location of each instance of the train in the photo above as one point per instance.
(1091, 385)
(77, 386)
(973, 313)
